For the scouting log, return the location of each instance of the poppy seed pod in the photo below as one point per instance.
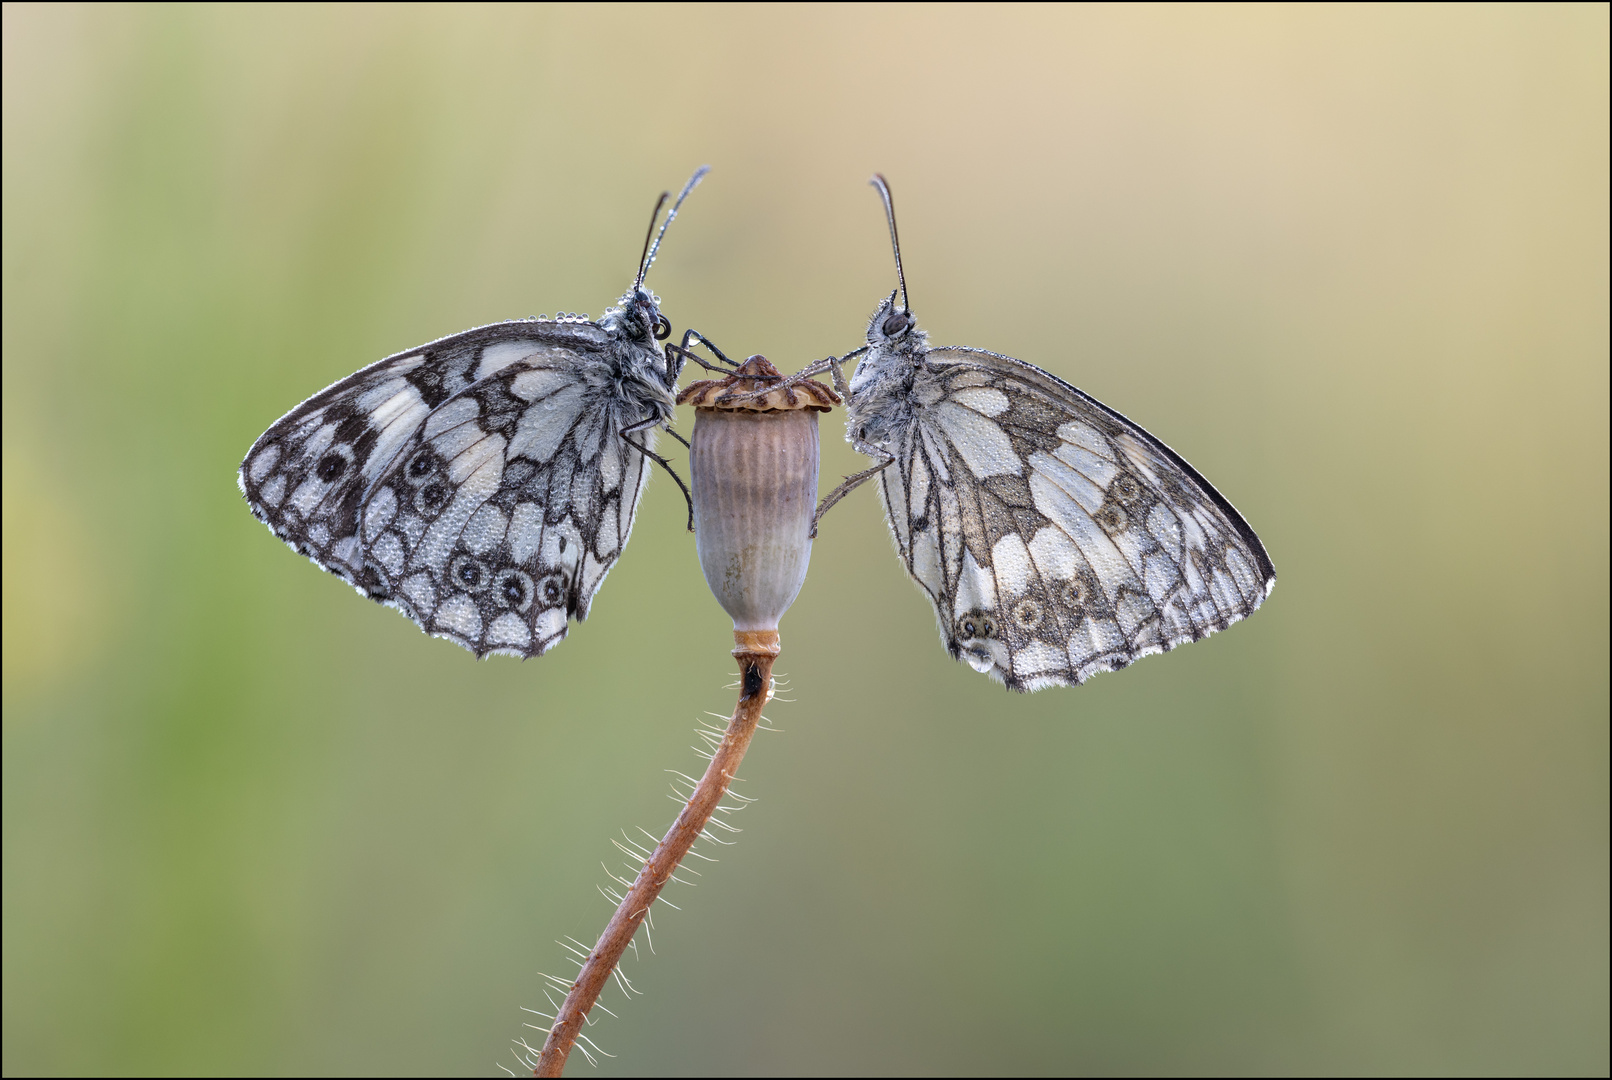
(754, 459)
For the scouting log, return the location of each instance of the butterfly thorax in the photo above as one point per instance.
(892, 381)
(637, 384)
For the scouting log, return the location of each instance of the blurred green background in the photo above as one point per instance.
(1351, 262)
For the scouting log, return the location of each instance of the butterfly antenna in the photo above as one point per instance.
(648, 236)
(883, 185)
(650, 249)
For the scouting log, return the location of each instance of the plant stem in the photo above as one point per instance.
(755, 678)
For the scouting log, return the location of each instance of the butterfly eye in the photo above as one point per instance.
(896, 323)
(663, 329)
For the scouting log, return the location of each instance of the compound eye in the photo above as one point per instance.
(896, 323)
(663, 329)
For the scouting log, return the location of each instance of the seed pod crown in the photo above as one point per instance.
(740, 391)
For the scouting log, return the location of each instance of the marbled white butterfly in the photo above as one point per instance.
(1054, 537)
(485, 483)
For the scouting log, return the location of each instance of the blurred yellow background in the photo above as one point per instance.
(1351, 262)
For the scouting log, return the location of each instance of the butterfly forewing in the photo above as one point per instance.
(480, 484)
(1055, 538)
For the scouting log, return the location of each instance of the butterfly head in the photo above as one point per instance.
(637, 318)
(893, 327)
(894, 350)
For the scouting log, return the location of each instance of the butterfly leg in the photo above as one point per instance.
(682, 353)
(840, 385)
(816, 367)
(667, 465)
(703, 340)
(677, 356)
(709, 345)
(830, 364)
(852, 482)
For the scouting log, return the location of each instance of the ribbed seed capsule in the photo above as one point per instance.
(754, 459)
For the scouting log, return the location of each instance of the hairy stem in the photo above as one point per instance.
(755, 677)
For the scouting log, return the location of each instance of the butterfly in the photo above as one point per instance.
(1055, 538)
(485, 483)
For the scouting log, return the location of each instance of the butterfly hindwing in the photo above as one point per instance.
(1055, 538)
(498, 523)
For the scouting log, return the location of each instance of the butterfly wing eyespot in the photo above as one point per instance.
(976, 625)
(421, 466)
(1055, 538)
(513, 588)
(331, 466)
(431, 498)
(1125, 489)
(1027, 615)
(1112, 518)
(1075, 596)
(467, 573)
(551, 590)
